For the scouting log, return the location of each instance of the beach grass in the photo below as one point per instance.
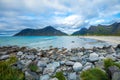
(7, 72)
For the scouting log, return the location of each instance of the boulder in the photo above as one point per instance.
(44, 77)
(87, 66)
(111, 57)
(72, 76)
(31, 75)
(113, 73)
(111, 49)
(77, 66)
(118, 46)
(3, 57)
(93, 57)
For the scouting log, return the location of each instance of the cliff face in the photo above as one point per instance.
(113, 29)
(47, 31)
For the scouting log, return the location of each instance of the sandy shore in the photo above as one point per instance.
(111, 39)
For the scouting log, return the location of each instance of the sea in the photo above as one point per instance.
(44, 42)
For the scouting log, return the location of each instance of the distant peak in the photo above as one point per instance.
(49, 27)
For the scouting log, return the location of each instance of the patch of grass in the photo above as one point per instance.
(94, 74)
(33, 67)
(109, 62)
(9, 73)
(60, 76)
(12, 60)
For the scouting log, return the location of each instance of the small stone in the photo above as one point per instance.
(69, 63)
(30, 75)
(20, 53)
(77, 66)
(41, 64)
(74, 58)
(44, 77)
(87, 66)
(53, 79)
(26, 62)
(49, 70)
(31, 57)
(100, 64)
(62, 62)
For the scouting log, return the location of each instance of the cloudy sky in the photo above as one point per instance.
(65, 15)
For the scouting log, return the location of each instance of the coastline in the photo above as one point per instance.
(112, 39)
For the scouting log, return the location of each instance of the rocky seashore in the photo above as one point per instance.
(70, 62)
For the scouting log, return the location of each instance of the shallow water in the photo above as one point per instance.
(55, 41)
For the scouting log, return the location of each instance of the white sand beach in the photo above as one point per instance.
(111, 39)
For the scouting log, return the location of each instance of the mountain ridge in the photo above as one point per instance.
(47, 31)
(113, 29)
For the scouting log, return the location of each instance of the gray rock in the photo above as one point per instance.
(62, 62)
(26, 62)
(77, 66)
(93, 57)
(23, 56)
(111, 50)
(3, 57)
(41, 64)
(44, 77)
(20, 53)
(49, 70)
(56, 64)
(74, 58)
(111, 57)
(116, 76)
(72, 76)
(39, 54)
(114, 73)
(3, 53)
(31, 57)
(118, 56)
(100, 64)
(69, 63)
(31, 75)
(87, 66)
(53, 79)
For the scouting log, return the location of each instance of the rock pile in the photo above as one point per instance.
(70, 62)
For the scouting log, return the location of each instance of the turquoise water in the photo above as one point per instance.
(55, 41)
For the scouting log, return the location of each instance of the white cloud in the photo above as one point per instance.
(66, 14)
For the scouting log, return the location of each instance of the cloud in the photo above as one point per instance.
(66, 15)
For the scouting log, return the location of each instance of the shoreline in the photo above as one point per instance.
(112, 39)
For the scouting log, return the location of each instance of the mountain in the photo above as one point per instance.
(83, 31)
(113, 29)
(47, 31)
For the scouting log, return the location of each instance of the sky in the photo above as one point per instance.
(65, 15)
